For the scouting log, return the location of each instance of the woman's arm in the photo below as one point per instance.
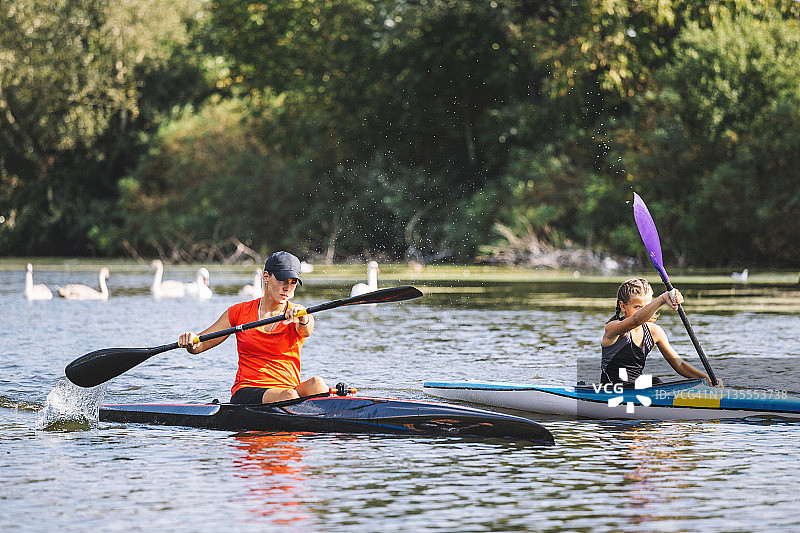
(673, 358)
(185, 340)
(617, 328)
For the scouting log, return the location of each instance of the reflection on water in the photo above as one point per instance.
(652, 468)
(277, 484)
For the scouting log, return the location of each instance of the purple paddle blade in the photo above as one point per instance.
(647, 229)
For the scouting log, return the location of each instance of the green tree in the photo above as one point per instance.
(720, 141)
(580, 138)
(207, 183)
(70, 75)
(381, 97)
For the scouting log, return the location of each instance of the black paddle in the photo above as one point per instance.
(647, 229)
(101, 365)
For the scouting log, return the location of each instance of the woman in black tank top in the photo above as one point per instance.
(631, 334)
(625, 354)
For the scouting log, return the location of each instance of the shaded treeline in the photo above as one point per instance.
(425, 130)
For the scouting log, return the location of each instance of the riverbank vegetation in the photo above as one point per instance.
(422, 132)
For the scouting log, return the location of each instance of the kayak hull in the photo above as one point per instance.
(682, 400)
(336, 414)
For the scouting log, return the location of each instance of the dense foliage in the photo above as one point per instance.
(426, 130)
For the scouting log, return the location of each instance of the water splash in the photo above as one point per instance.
(71, 408)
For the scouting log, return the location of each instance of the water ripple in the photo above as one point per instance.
(600, 476)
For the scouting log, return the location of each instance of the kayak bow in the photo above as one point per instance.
(336, 414)
(680, 400)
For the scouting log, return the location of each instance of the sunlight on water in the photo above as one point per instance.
(71, 408)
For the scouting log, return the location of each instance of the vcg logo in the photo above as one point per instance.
(644, 381)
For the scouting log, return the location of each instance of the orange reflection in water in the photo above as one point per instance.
(272, 464)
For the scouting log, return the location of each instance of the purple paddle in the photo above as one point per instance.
(647, 229)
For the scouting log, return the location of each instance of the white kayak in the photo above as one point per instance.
(680, 400)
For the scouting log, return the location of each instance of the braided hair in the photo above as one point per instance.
(631, 287)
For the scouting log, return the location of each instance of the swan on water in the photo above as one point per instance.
(372, 281)
(78, 291)
(199, 288)
(741, 276)
(168, 288)
(255, 290)
(38, 291)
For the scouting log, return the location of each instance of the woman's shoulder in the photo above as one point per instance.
(617, 328)
(612, 333)
(242, 310)
(246, 304)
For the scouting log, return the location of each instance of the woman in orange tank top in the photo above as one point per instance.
(269, 356)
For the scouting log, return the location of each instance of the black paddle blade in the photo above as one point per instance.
(383, 296)
(99, 366)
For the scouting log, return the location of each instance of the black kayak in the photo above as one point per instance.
(336, 414)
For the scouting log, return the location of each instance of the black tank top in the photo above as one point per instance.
(625, 354)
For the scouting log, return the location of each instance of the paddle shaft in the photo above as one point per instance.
(711, 377)
(395, 294)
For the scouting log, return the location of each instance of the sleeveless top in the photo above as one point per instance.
(267, 358)
(625, 354)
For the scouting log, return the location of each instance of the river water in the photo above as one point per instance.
(61, 475)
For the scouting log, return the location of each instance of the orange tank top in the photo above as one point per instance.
(266, 358)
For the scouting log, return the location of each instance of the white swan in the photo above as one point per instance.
(77, 291)
(199, 287)
(255, 290)
(38, 291)
(169, 288)
(741, 276)
(306, 267)
(372, 281)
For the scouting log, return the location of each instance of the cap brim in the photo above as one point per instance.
(283, 275)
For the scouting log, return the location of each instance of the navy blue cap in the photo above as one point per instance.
(283, 266)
